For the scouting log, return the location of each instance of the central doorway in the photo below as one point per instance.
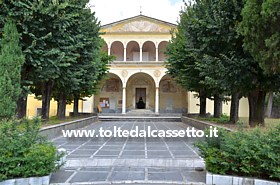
(140, 94)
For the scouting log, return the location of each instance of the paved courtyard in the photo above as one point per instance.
(130, 160)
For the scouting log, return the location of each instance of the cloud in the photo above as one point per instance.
(108, 11)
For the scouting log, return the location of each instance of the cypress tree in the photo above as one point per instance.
(11, 60)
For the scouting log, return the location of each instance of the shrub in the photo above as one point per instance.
(23, 152)
(245, 153)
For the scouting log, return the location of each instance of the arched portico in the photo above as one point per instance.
(173, 97)
(117, 49)
(133, 51)
(105, 48)
(161, 48)
(110, 96)
(140, 85)
(149, 51)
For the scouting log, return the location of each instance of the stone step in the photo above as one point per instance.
(131, 182)
(180, 163)
(139, 118)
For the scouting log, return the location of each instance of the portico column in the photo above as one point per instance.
(123, 100)
(141, 54)
(109, 51)
(124, 54)
(157, 101)
(157, 54)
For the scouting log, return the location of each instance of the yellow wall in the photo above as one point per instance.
(33, 104)
(194, 106)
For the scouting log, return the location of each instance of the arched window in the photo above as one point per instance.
(149, 51)
(133, 51)
(117, 49)
(161, 48)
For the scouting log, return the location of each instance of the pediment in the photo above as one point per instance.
(139, 24)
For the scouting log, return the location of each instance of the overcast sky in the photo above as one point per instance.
(108, 11)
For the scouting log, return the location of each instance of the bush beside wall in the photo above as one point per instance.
(252, 153)
(23, 152)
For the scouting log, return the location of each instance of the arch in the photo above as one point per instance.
(137, 72)
(113, 83)
(168, 85)
(172, 98)
(105, 47)
(110, 95)
(149, 51)
(161, 48)
(117, 49)
(140, 84)
(132, 51)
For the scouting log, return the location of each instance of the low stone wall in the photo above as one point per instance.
(54, 131)
(214, 179)
(45, 180)
(201, 125)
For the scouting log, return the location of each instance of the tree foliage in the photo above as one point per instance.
(11, 60)
(261, 30)
(183, 54)
(61, 42)
(206, 53)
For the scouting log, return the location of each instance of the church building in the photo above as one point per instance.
(138, 72)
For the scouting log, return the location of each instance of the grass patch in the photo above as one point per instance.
(54, 120)
(223, 119)
(242, 123)
(269, 122)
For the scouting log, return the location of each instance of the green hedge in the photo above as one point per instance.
(252, 153)
(23, 152)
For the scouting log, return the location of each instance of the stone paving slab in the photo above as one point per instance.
(130, 160)
(123, 175)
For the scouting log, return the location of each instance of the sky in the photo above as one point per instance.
(108, 11)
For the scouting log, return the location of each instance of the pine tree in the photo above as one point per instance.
(11, 60)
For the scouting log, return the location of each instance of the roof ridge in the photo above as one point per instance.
(137, 16)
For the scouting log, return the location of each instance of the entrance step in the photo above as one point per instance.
(141, 112)
(140, 115)
(139, 118)
(179, 163)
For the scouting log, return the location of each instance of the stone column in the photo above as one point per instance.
(157, 101)
(141, 55)
(124, 54)
(124, 100)
(157, 54)
(109, 51)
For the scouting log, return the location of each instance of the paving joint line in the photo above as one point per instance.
(71, 176)
(104, 142)
(124, 145)
(168, 149)
(187, 145)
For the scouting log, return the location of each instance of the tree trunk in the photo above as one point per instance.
(202, 102)
(256, 108)
(76, 106)
(218, 105)
(269, 105)
(61, 106)
(234, 107)
(21, 106)
(46, 99)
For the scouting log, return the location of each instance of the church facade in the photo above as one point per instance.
(138, 74)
